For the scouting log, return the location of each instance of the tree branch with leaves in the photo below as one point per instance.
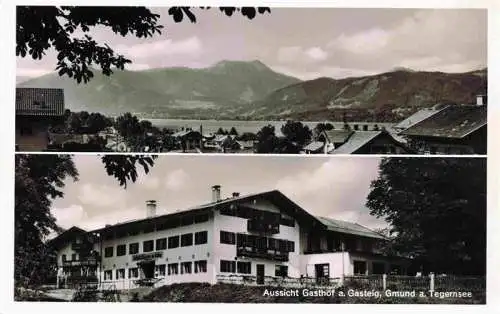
(40, 28)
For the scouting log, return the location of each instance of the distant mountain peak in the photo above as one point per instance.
(230, 63)
(402, 69)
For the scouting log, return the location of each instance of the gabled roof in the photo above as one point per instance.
(314, 146)
(348, 227)
(185, 132)
(452, 122)
(337, 136)
(419, 116)
(356, 141)
(39, 102)
(280, 200)
(65, 237)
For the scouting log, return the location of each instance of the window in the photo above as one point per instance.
(227, 266)
(187, 239)
(133, 248)
(173, 242)
(283, 245)
(281, 271)
(289, 222)
(244, 267)
(227, 237)
(121, 250)
(108, 252)
(108, 275)
(228, 211)
(73, 257)
(161, 244)
(63, 257)
(290, 246)
(120, 273)
(200, 266)
(359, 268)
(273, 244)
(200, 237)
(173, 269)
(133, 272)
(160, 270)
(148, 246)
(186, 267)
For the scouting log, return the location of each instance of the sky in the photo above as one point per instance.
(329, 187)
(307, 42)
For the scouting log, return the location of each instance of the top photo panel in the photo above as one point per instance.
(251, 80)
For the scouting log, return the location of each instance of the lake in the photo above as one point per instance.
(211, 126)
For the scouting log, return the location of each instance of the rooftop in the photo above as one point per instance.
(39, 102)
(419, 116)
(455, 121)
(338, 136)
(276, 197)
(356, 141)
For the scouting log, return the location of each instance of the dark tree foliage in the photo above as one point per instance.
(39, 179)
(40, 28)
(247, 136)
(437, 211)
(266, 140)
(129, 127)
(221, 131)
(233, 131)
(124, 167)
(320, 127)
(296, 132)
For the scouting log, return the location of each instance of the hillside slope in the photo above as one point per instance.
(398, 90)
(172, 90)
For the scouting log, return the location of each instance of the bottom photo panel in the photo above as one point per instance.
(250, 229)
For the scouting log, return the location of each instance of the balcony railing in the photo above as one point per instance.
(82, 262)
(262, 226)
(261, 253)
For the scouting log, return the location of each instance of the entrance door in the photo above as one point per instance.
(148, 269)
(260, 274)
(322, 272)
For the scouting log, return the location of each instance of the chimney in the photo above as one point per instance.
(236, 194)
(216, 193)
(151, 208)
(481, 100)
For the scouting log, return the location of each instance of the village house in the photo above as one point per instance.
(36, 110)
(455, 129)
(256, 238)
(347, 141)
(188, 139)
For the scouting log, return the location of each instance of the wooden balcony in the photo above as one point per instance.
(254, 252)
(255, 225)
(82, 262)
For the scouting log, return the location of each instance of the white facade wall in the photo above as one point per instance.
(176, 255)
(239, 225)
(340, 264)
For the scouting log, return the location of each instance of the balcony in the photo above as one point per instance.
(254, 225)
(82, 262)
(254, 252)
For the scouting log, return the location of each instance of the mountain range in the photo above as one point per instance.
(252, 90)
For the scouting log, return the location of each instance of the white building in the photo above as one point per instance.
(257, 238)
